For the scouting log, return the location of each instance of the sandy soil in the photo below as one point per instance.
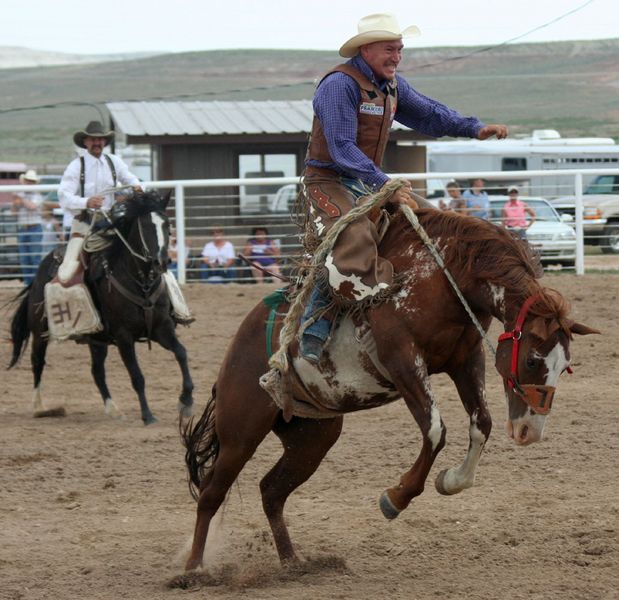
(98, 508)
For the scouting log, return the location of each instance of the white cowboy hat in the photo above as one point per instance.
(29, 175)
(379, 27)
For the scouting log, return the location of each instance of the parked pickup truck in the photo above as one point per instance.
(600, 212)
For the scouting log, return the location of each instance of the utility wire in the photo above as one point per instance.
(505, 43)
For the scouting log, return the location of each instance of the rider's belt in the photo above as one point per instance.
(320, 172)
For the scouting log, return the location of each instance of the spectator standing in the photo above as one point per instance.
(477, 201)
(262, 250)
(218, 258)
(514, 214)
(27, 206)
(52, 231)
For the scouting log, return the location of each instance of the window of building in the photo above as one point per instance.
(259, 198)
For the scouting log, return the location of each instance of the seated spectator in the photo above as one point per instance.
(262, 251)
(477, 201)
(514, 214)
(173, 254)
(454, 200)
(218, 258)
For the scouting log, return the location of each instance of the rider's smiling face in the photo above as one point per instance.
(383, 58)
(94, 145)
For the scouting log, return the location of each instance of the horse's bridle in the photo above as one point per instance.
(538, 397)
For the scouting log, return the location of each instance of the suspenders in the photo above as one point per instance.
(110, 162)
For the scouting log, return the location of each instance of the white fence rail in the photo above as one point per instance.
(199, 204)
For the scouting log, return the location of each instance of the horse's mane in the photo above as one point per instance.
(142, 203)
(484, 251)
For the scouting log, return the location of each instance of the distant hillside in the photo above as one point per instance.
(16, 57)
(568, 86)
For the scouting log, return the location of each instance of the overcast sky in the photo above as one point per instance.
(110, 26)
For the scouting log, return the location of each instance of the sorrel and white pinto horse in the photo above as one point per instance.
(421, 330)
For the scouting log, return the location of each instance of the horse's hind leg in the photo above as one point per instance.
(127, 353)
(37, 361)
(98, 354)
(238, 439)
(306, 442)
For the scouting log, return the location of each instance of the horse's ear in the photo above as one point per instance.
(166, 199)
(581, 329)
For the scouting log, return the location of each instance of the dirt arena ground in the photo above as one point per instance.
(95, 508)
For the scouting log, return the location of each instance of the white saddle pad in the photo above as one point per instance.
(70, 311)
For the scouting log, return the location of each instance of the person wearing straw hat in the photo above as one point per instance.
(354, 106)
(94, 181)
(27, 206)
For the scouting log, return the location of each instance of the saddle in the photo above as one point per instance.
(288, 389)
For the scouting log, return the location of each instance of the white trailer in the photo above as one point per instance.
(543, 150)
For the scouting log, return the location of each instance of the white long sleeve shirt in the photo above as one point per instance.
(98, 177)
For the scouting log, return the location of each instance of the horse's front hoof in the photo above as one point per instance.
(58, 411)
(150, 420)
(387, 507)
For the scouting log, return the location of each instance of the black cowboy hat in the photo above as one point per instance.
(93, 129)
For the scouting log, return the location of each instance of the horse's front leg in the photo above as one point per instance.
(470, 383)
(98, 354)
(414, 385)
(167, 338)
(126, 348)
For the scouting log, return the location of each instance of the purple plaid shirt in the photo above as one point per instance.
(335, 104)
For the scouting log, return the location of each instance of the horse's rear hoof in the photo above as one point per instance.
(150, 420)
(439, 484)
(387, 507)
(185, 411)
(58, 411)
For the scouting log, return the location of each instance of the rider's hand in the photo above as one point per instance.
(94, 202)
(403, 196)
(500, 131)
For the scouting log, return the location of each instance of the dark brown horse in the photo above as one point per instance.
(126, 284)
(421, 330)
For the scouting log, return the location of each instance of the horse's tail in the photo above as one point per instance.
(20, 332)
(202, 446)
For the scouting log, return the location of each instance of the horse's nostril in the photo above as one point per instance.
(524, 432)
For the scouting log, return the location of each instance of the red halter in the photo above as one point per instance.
(538, 397)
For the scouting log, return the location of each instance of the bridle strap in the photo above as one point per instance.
(515, 336)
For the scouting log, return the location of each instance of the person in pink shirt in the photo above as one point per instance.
(514, 214)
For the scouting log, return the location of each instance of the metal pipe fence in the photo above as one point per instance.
(200, 205)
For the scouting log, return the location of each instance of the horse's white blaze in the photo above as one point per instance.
(556, 363)
(158, 222)
(459, 478)
(360, 289)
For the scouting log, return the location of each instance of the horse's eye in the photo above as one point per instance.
(530, 363)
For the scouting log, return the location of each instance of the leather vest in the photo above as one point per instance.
(374, 117)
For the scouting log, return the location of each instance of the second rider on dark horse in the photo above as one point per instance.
(91, 182)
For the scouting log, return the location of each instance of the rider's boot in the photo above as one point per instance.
(315, 336)
(71, 260)
(180, 310)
